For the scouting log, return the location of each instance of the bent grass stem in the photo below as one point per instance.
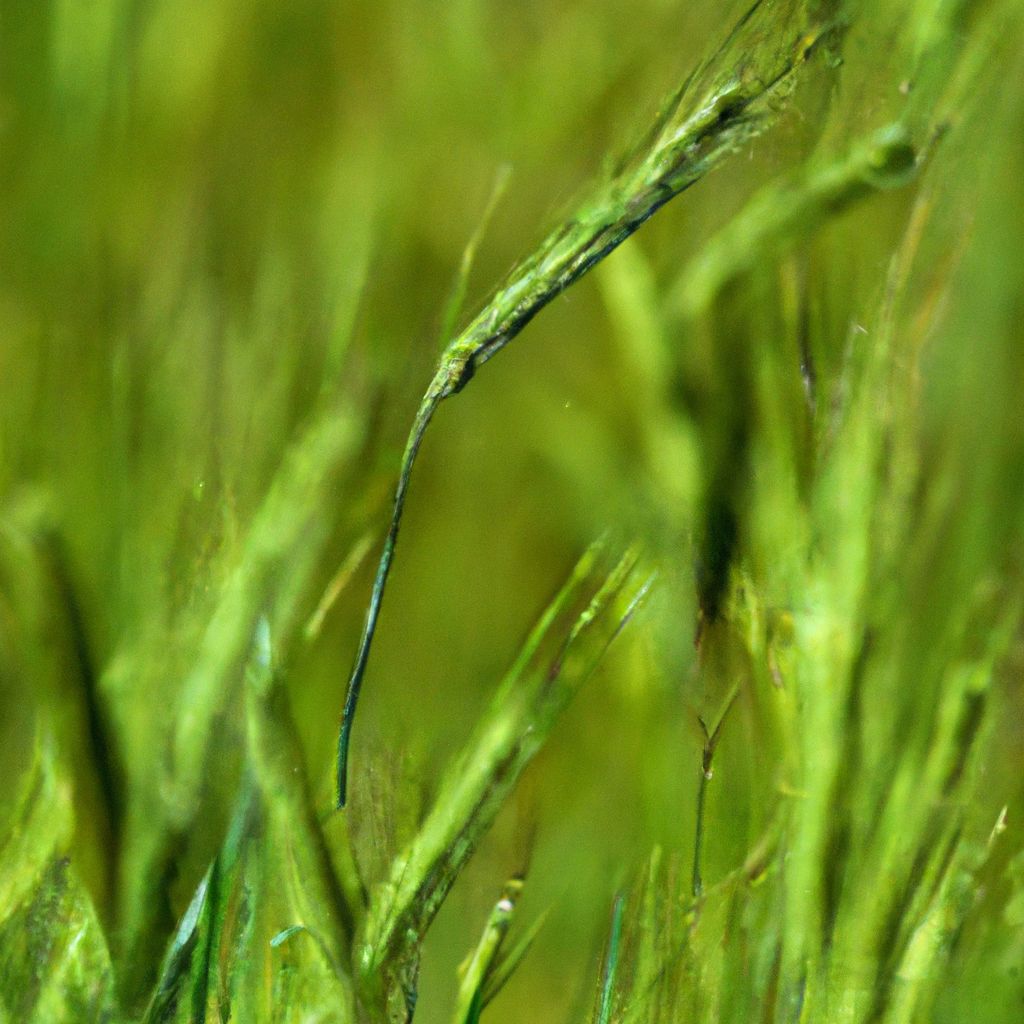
(733, 97)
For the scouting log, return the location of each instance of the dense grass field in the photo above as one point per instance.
(695, 693)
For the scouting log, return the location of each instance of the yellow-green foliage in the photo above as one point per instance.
(761, 746)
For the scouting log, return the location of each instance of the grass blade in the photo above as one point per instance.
(478, 970)
(519, 720)
(734, 97)
(611, 963)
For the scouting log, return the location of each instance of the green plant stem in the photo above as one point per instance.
(423, 418)
(611, 963)
(706, 773)
(479, 968)
(736, 95)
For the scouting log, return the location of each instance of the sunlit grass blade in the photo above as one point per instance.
(271, 882)
(54, 961)
(521, 716)
(271, 576)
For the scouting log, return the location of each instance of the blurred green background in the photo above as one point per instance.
(219, 219)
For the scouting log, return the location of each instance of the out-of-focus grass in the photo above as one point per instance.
(228, 236)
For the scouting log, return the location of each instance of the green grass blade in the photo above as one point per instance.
(611, 964)
(54, 961)
(737, 95)
(479, 968)
(478, 781)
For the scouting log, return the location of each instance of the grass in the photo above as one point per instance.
(761, 745)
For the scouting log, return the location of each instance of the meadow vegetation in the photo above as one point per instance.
(690, 688)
